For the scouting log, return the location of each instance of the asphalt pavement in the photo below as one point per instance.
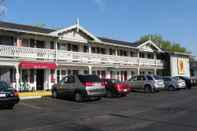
(162, 111)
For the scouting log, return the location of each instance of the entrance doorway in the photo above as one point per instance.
(40, 79)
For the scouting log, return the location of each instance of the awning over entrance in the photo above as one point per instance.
(37, 65)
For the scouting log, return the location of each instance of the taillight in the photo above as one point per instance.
(16, 93)
(118, 87)
(88, 84)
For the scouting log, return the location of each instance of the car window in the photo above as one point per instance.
(4, 85)
(166, 79)
(134, 78)
(89, 78)
(115, 81)
(157, 77)
(149, 78)
(140, 78)
(67, 79)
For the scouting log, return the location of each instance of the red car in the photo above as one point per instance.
(116, 88)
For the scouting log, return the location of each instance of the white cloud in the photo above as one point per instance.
(3, 8)
(101, 4)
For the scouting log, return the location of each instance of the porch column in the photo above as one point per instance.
(56, 49)
(17, 77)
(116, 51)
(108, 74)
(155, 68)
(138, 69)
(18, 42)
(90, 69)
(89, 48)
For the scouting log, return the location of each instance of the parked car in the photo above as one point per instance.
(186, 79)
(8, 96)
(147, 83)
(172, 83)
(80, 87)
(116, 88)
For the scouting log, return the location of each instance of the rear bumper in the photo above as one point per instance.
(9, 101)
(94, 93)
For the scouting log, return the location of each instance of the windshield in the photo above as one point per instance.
(115, 81)
(89, 78)
(4, 85)
(157, 77)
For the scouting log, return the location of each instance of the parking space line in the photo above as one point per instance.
(30, 106)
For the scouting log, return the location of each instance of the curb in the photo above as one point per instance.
(29, 97)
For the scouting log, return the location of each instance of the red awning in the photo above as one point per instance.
(37, 65)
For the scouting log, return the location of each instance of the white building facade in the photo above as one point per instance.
(33, 58)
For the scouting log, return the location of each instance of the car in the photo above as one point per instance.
(116, 88)
(172, 83)
(186, 79)
(8, 96)
(147, 83)
(80, 87)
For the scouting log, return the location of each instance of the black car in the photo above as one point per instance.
(8, 96)
(187, 81)
(80, 87)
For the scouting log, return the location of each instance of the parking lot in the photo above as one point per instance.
(163, 111)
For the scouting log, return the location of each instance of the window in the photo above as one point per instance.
(85, 48)
(69, 47)
(86, 72)
(150, 56)
(102, 51)
(134, 78)
(58, 75)
(140, 78)
(112, 52)
(75, 48)
(31, 76)
(98, 50)
(142, 55)
(52, 45)
(93, 50)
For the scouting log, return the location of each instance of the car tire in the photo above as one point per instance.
(109, 94)
(10, 107)
(78, 97)
(54, 94)
(148, 89)
(171, 88)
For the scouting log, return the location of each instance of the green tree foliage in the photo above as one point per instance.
(164, 44)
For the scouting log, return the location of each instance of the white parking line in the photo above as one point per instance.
(30, 106)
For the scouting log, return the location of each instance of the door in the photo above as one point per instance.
(67, 85)
(40, 79)
(141, 82)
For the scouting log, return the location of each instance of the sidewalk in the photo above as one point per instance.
(34, 95)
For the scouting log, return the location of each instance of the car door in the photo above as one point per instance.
(140, 81)
(70, 85)
(133, 82)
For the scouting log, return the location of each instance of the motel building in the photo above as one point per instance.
(33, 58)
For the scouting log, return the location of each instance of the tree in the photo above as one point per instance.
(164, 44)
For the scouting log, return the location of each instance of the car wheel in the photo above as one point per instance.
(10, 107)
(54, 94)
(109, 94)
(78, 97)
(171, 88)
(148, 89)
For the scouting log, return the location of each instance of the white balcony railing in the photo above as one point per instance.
(73, 57)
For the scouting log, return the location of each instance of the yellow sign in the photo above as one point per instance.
(181, 66)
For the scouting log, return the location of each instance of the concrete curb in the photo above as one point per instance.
(30, 97)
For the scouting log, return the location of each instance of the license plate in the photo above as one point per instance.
(125, 90)
(2, 95)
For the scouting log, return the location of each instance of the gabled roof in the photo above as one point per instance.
(78, 28)
(150, 42)
(24, 27)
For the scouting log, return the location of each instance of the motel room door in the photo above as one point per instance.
(40, 79)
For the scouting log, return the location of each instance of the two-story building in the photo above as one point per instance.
(33, 58)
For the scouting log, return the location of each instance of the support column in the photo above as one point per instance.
(90, 69)
(35, 82)
(89, 48)
(116, 52)
(138, 69)
(17, 78)
(18, 42)
(155, 68)
(56, 50)
(108, 74)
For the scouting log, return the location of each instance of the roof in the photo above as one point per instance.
(25, 27)
(119, 42)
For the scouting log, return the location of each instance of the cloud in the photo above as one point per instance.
(101, 4)
(3, 8)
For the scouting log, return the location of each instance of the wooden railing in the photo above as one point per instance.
(73, 57)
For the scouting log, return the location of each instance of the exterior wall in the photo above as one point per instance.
(175, 66)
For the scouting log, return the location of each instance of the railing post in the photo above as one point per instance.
(138, 69)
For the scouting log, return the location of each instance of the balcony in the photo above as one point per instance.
(28, 53)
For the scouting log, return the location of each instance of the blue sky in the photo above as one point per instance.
(175, 20)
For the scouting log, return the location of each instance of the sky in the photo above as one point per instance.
(174, 20)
